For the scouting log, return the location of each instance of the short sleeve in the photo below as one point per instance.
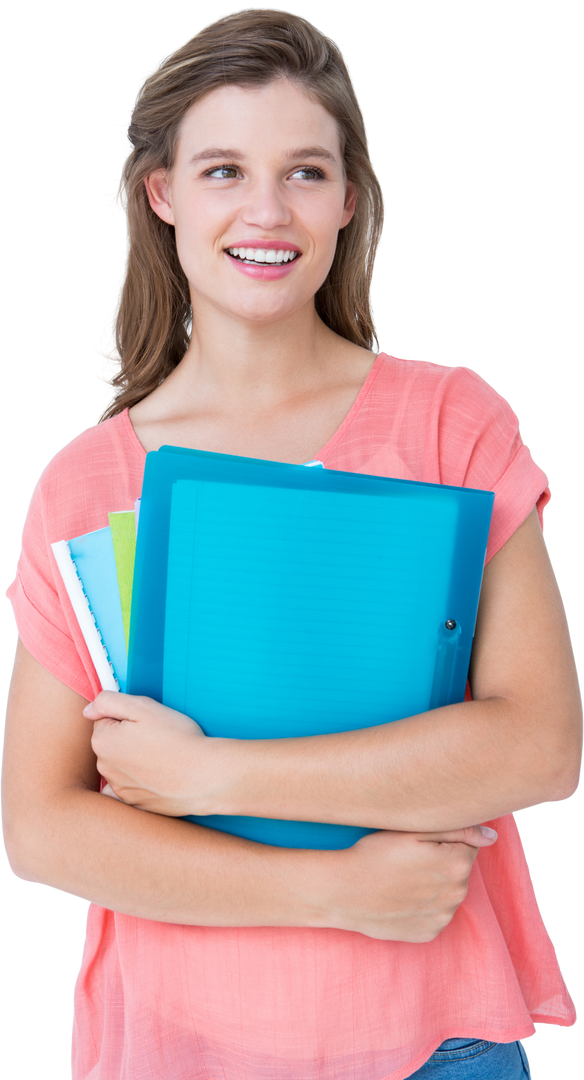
(480, 444)
(99, 471)
(46, 624)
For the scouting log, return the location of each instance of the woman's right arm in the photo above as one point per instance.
(60, 831)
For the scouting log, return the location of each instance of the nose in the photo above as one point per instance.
(266, 205)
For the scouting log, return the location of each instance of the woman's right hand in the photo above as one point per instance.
(400, 886)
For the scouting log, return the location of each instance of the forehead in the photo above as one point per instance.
(276, 115)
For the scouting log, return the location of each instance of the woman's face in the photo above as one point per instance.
(257, 196)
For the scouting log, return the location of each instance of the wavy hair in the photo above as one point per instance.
(249, 48)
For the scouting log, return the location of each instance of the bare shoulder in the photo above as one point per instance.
(146, 409)
(352, 360)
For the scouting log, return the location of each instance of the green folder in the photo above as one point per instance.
(123, 530)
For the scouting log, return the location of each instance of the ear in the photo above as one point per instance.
(157, 186)
(350, 203)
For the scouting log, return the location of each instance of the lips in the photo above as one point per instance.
(277, 263)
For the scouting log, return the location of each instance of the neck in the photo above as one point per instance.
(256, 367)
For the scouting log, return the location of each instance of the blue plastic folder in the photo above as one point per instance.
(272, 601)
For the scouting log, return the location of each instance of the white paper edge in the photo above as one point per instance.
(84, 615)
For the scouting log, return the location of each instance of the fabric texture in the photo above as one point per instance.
(156, 1000)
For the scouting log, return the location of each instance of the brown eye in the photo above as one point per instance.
(220, 169)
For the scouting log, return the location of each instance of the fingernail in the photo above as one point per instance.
(489, 833)
(87, 707)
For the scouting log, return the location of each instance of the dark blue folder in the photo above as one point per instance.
(272, 600)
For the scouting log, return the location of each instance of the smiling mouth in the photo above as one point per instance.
(255, 256)
(265, 262)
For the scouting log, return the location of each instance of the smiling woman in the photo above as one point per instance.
(271, 212)
(245, 328)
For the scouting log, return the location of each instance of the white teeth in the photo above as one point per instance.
(263, 255)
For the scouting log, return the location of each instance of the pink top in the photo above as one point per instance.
(187, 1002)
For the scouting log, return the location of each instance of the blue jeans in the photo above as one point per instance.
(475, 1059)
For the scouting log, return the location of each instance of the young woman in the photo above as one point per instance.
(245, 328)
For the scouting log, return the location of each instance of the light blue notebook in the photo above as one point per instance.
(94, 558)
(275, 601)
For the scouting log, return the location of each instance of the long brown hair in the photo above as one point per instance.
(249, 48)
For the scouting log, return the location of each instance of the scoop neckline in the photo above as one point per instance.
(328, 446)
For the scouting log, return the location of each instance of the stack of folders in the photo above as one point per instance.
(268, 600)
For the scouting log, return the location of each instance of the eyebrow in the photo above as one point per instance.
(218, 152)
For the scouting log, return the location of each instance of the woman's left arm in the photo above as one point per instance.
(517, 743)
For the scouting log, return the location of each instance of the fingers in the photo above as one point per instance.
(97, 709)
(108, 790)
(477, 836)
(111, 704)
(482, 836)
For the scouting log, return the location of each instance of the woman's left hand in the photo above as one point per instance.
(152, 757)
